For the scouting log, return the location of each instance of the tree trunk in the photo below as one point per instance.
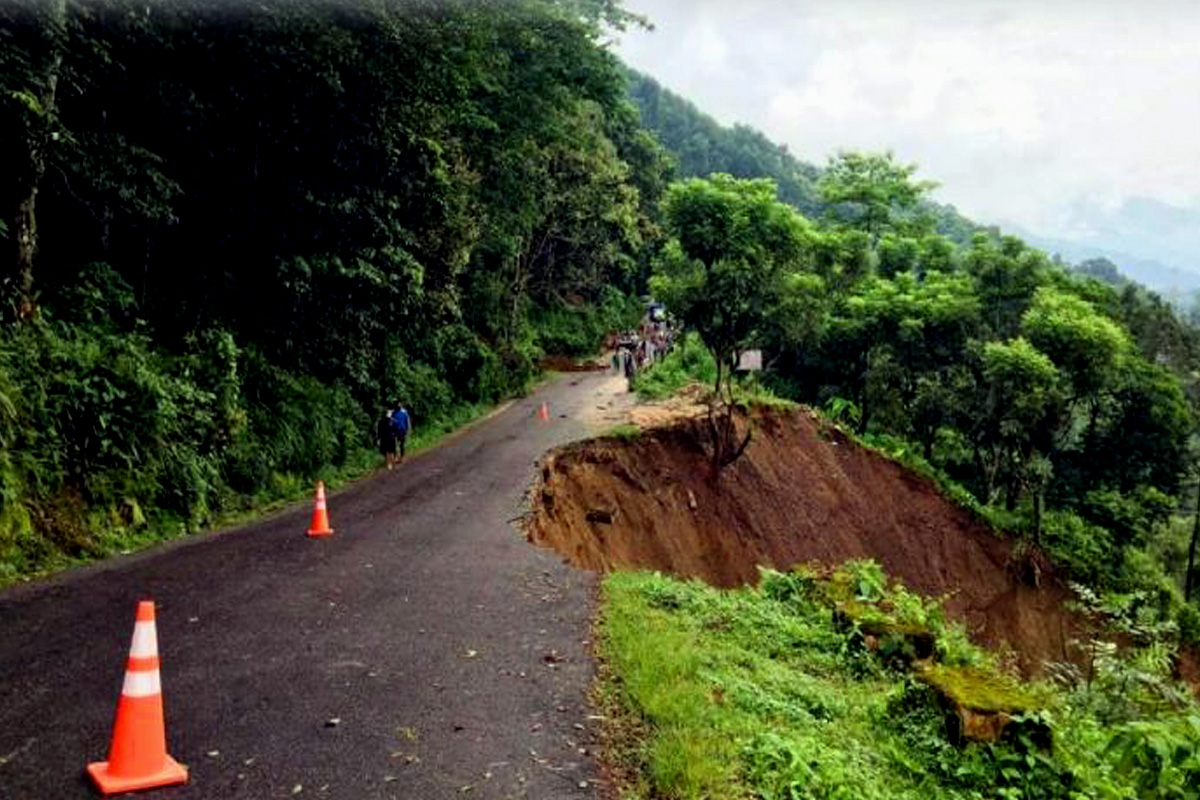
(1191, 565)
(25, 236)
(714, 428)
(25, 227)
(864, 411)
(722, 425)
(1039, 507)
(987, 473)
(1011, 492)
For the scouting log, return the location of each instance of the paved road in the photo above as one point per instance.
(452, 653)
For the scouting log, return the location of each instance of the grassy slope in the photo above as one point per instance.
(755, 693)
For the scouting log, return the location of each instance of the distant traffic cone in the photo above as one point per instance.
(544, 412)
(137, 757)
(320, 520)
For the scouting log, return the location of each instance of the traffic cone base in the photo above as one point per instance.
(137, 754)
(319, 528)
(171, 773)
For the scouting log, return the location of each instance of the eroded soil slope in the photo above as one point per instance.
(802, 492)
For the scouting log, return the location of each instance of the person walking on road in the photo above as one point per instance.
(385, 435)
(402, 425)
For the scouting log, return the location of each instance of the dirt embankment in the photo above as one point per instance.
(802, 492)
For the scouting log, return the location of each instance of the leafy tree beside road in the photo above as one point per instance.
(734, 261)
(870, 191)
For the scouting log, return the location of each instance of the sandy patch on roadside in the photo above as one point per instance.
(614, 405)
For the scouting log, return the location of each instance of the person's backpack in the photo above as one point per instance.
(384, 428)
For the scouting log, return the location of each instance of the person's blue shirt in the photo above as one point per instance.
(400, 421)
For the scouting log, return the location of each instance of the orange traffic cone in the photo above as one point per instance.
(320, 520)
(544, 412)
(137, 757)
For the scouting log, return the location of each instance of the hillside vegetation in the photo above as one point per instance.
(236, 231)
(702, 146)
(1057, 407)
(1051, 403)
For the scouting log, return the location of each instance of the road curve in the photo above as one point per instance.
(425, 651)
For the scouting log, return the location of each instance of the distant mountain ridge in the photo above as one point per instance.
(701, 145)
(1174, 283)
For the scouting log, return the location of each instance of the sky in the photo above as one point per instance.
(1069, 119)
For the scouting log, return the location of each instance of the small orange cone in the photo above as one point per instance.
(544, 412)
(137, 757)
(320, 520)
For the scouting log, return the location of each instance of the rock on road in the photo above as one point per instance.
(425, 651)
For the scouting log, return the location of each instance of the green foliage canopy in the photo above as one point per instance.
(733, 252)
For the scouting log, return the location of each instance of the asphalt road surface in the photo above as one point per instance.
(425, 651)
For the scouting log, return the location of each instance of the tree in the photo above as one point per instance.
(1087, 346)
(1102, 270)
(1006, 275)
(728, 267)
(871, 190)
(891, 332)
(1024, 412)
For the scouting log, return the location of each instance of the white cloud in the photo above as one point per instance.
(1023, 110)
(707, 45)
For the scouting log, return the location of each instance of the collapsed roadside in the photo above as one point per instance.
(704, 685)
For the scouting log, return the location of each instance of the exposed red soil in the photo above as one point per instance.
(802, 492)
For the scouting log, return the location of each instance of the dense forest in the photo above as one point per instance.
(234, 232)
(1052, 403)
(1059, 408)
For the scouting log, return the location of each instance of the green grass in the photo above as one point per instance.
(688, 362)
(746, 698)
(626, 432)
(757, 693)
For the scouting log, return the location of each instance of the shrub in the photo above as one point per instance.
(568, 331)
(1084, 548)
(470, 366)
(1160, 758)
(578, 330)
(1130, 516)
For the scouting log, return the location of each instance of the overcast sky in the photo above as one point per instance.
(1072, 119)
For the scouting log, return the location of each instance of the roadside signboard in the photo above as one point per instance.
(750, 361)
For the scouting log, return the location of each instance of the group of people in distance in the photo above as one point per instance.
(392, 432)
(633, 352)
